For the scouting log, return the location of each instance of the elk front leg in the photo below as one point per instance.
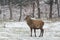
(42, 31)
(35, 32)
(31, 32)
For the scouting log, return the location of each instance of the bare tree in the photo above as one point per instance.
(38, 8)
(33, 9)
(56, 1)
(10, 8)
(20, 13)
(0, 7)
(51, 4)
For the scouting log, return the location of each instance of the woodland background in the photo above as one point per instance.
(18, 9)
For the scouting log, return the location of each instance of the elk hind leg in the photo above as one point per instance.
(41, 33)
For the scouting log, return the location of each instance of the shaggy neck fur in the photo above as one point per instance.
(29, 21)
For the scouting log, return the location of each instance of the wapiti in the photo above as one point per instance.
(35, 24)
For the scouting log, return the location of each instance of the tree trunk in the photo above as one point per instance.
(10, 8)
(58, 8)
(51, 4)
(38, 8)
(50, 15)
(4, 2)
(20, 13)
(0, 9)
(33, 10)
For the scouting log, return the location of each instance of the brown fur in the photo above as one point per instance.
(35, 24)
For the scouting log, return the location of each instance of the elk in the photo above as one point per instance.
(35, 24)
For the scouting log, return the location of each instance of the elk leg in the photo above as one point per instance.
(42, 31)
(35, 32)
(31, 32)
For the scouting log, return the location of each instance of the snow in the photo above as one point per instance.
(16, 24)
(21, 31)
(22, 24)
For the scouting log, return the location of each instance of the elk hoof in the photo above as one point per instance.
(40, 36)
(31, 35)
(35, 36)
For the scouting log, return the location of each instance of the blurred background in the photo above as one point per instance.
(18, 9)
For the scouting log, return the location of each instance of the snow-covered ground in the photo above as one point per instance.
(21, 31)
